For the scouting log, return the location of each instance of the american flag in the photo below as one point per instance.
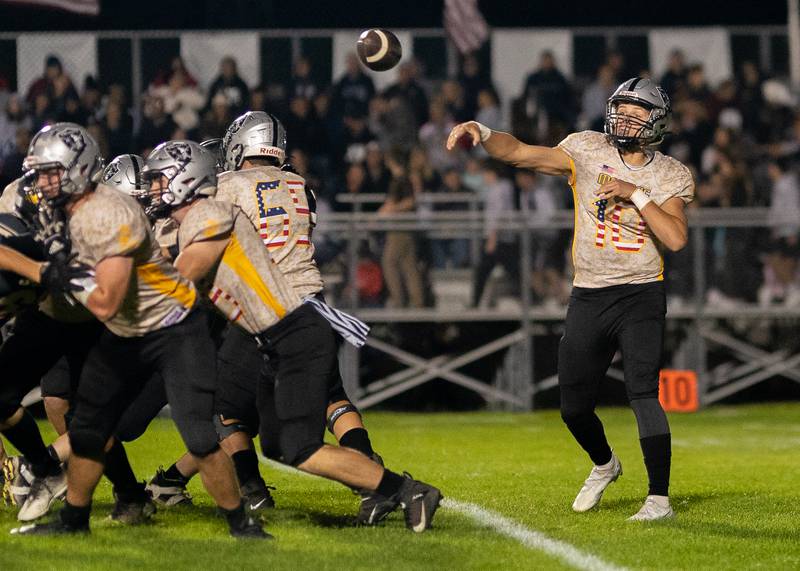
(465, 24)
(83, 7)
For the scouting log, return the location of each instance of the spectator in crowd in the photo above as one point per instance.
(157, 125)
(595, 97)
(408, 88)
(12, 118)
(301, 83)
(182, 99)
(92, 99)
(377, 175)
(356, 136)
(433, 135)
(751, 101)
(489, 109)
(452, 94)
(258, 98)
(400, 264)
(450, 252)
(12, 164)
(43, 112)
(781, 272)
(355, 182)
(674, 79)
(118, 127)
(176, 66)
(500, 246)
(471, 80)
(540, 202)
(217, 119)
(72, 112)
(355, 89)
(697, 86)
(421, 173)
(55, 85)
(230, 84)
(547, 91)
(305, 130)
(393, 121)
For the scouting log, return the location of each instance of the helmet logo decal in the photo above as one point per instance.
(111, 171)
(181, 152)
(73, 139)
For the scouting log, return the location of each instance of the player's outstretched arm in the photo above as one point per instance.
(509, 149)
(21, 264)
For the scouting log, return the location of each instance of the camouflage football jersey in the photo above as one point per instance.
(246, 287)
(612, 244)
(110, 223)
(275, 202)
(57, 307)
(9, 197)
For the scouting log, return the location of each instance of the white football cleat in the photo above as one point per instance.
(654, 508)
(44, 491)
(594, 486)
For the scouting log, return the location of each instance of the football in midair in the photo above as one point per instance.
(379, 49)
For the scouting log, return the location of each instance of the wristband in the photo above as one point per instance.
(486, 132)
(640, 198)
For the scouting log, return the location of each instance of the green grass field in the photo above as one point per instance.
(734, 489)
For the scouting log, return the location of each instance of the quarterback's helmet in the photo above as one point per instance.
(124, 173)
(190, 170)
(254, 134)
(626, 131)
(70, 147)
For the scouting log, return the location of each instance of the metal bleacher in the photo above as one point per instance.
(703, 327)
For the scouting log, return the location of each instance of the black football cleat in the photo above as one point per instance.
(375, 508)
(420, 502)
(55, 527)
(167, 492)
(249, 529)
(133, 513)
(256, 495)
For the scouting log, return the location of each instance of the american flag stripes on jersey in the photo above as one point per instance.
(218, 293)
(295, 187)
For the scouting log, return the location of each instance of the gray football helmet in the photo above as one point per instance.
(215, 146)
(124, 173)
(68, 146)
(254, 134)
(190, 170)
(625, 131)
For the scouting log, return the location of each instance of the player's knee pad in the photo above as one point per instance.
(650, 417)
(339, 412)
(226, 429)
(88, 443)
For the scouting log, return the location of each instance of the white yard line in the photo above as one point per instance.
(531, 538)
(528, 537)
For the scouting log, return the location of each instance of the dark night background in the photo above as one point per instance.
(218, 14)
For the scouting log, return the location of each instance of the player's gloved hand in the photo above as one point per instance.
(66, 275)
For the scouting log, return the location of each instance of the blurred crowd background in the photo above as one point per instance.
(740, 137)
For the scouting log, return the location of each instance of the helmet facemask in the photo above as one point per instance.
(630, 132)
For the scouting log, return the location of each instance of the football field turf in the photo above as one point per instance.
(734, 490)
